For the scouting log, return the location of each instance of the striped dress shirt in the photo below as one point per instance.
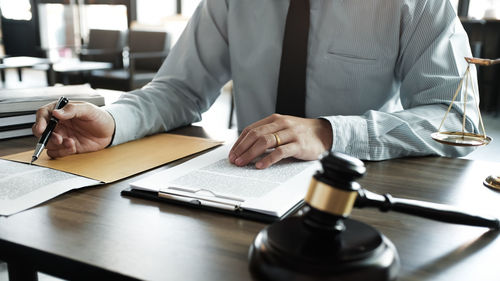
(382, 72)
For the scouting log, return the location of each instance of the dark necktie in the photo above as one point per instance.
(291, 97)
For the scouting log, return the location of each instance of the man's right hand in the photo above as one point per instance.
(82, 127)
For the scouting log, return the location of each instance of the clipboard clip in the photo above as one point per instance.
(201, 197)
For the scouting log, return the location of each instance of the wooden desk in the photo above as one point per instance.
(95, 233)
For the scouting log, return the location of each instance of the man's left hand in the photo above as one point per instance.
(290, 136)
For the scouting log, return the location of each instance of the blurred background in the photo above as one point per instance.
(120, 44)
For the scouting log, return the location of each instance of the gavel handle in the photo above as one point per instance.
(433, 211)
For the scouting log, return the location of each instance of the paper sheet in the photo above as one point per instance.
(273, 191)
(24, 186)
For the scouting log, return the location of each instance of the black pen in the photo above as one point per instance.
(42, 142)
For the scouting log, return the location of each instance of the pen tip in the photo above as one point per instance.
(33, 159)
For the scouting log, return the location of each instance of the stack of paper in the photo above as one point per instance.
(18, 106)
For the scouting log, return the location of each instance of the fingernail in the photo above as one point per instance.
(60, 111)
(259, 165)
(232, 156)
(238, 161)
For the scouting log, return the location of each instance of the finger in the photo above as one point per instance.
(68, 148)
(261, 122)
(68, 112)
(250, 135)
(258, 148)
(69, 143)
(262, 135)
(269, 140)
(285, 136)
(41, 121)
(55, 141)
(279, 153)
(79, 110)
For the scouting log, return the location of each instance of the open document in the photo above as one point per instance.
(211, 180)
(24, 186)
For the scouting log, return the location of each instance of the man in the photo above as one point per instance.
(379, 77)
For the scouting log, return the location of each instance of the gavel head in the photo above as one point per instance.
(333, 190)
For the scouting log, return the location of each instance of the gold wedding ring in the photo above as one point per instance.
(278, 140)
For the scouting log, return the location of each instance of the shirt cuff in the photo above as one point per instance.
(350, 135)
(121, 115)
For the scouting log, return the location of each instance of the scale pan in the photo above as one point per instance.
(461, 139)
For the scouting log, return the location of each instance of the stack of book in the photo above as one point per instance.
(18, 106)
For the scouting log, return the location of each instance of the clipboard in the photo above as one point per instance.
(202, 205)
(211, 183)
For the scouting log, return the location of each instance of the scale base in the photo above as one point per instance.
(292, 250)
(493, 181)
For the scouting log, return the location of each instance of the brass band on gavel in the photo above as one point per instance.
(330, 199)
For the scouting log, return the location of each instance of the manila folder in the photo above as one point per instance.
(121, 161)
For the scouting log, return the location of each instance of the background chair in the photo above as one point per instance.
(104, 46)
(146, 52)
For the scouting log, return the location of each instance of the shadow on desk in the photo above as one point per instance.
(454, 258)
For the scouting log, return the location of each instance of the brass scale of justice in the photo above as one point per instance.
(462, 138)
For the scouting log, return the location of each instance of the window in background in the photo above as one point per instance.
(112, 17)
(57, 29)
(16, 9)
(61, 31)
(161, 15)
(189, 6)
(488, 9)
(154, 12)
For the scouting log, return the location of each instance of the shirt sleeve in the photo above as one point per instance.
(430, 65)
(186, 85)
